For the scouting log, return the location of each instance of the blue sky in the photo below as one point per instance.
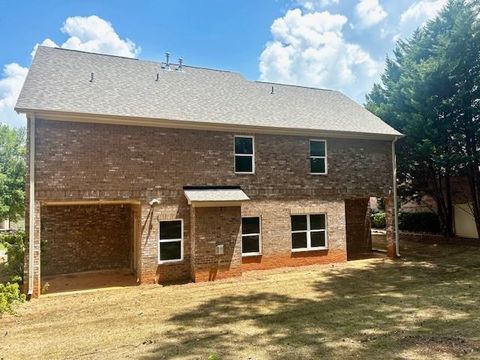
(339, 44)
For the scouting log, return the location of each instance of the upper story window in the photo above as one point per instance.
(318, 157)
(251, 235)
(309, 232)
(244, 155)
(170, 242)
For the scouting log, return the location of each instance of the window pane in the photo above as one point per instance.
(170, 250)
(250, 244)
(299, 240)
(317, 148)
(317, 222)
(317, 165)
(243, 145)
(251, 225)
(317, 238)
(299, 222)
(243, 164)
(170, 230)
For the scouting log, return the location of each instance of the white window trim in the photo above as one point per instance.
(318, 157)
(252, 155)
(170, 240)
(309, 231)
(253, 234)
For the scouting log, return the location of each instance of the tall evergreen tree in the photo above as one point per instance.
(429, 91)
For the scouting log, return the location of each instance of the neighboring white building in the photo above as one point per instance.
(464, 221)
(4, 225)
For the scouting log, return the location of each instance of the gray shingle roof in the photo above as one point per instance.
(59, 80)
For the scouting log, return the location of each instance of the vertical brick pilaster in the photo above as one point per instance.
(148, 246)
(36, 253)
(217, 226)
(390, 236)
(193, 241)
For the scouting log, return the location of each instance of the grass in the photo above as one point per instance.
(425, 306)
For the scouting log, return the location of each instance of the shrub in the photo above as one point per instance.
(419, 222)
(10, 295)
(15, 244)
(378, 220)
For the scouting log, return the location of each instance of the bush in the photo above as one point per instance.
(15, 245)
(419, 222)
(10, 295)
(378, 220)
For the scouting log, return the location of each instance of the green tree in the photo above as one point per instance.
(12, 172)
(429, 91)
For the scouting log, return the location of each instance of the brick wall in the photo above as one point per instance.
(150, 270)
(357, 226)
(217, 226)
(96, 161)
(276, 233)
(82, 161)
(85, 237)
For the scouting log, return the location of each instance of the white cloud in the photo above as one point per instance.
(94, 34)
(90, 33)
(309, 49)
(314, 5)
(370, 12)
(418, 14)
(13, 76)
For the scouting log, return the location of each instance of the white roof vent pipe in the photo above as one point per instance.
(167, 60)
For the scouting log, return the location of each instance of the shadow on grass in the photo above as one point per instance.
(415, 307)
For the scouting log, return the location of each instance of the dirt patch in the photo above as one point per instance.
(428, 344)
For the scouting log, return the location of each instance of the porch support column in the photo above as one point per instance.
(390, 232)
(32, 271)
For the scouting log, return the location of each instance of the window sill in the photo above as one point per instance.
(170, 262)
(319, 174)
(309, 249)
(244, 173)
(251, 254)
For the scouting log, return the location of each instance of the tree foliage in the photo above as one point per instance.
(430, 92)
(12, 172)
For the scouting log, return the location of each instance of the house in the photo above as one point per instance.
(185, 173)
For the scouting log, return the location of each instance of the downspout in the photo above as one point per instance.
(395, 200)
(31, 207)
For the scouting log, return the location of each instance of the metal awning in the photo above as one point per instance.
(211, 196)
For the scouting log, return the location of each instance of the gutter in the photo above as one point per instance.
(31, 217)
(395, 200)
(57, 115)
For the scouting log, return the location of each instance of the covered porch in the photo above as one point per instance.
(87, 245)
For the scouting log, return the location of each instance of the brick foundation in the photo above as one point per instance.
(293, 259)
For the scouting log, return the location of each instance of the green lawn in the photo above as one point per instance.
(425, 306)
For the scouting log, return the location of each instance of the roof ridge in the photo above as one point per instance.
(293, 85)
(138, 59)
(87, 52)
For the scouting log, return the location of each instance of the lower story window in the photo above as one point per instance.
(251, 236)
(170, 242)
(309, 232)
